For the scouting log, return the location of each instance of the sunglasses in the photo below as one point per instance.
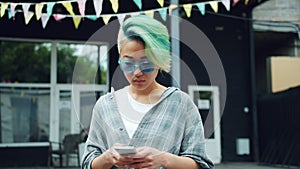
(128, 66)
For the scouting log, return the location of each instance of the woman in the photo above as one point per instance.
(162, 122)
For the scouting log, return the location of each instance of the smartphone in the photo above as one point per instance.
(125, 150)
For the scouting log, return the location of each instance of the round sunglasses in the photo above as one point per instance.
(128, 66)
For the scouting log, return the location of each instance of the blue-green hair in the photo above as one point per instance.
(153, 34)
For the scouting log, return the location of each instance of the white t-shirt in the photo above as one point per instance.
(132, 124)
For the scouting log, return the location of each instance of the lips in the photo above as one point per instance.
(138, 81)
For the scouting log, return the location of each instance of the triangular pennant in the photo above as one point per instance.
(235, 2)
(12, 8)
(81, 6)
(172, 7)
(115, 5)
(4, 5)
(188, 9)
(59, 17)
(76, 20)
(134, 14)
(44, 18)
(163, 13)
(98, 7)
(92, 17)
(69, 7)
(246, 2)
(226, 3)
(201, 7)
(25, 8)
(38, 10)
(121, 18)
(28, 16)
(138, 3)
(149, 13)
(50, 6)
(161, 2)
(10, 15)
(214, 5)
(106, 18)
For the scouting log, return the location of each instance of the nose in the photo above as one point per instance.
(137, 71)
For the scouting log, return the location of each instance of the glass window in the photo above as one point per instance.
(79, 63)
(24, 114)
(27, 62)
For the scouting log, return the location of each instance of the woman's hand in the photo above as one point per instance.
(145, 158)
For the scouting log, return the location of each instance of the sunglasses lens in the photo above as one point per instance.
(147, 67)
(129, 66)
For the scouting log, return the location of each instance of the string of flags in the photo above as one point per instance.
(10, 8)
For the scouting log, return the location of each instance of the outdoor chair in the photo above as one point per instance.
(68, 148)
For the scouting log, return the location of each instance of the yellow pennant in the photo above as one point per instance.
(106, 18)
(115, 5)
(69, 7)
(161, 2)
(3, 8)
(38, 10)
(76, 20)
(150, 13)
(188, 9)
(171, 8)
(214, 5)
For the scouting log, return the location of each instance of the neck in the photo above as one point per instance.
(149, 95)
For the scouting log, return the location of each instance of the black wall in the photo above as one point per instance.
(229, 33)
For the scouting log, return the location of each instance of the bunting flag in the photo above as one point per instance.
(161, 2)
(76, 20)
(4, 6)
(149, 13)
(12, 9)
(171, 8)
(138, 3)
(44, 17)
(59, 17)
(106, 18)
(214, 5)
(201, 7)
(25, 8)
(121, 18)
(163, 13)
(28, 17)
(226, 3)
(115, 5)
(188, 9)
(38, 10)
(50, 6)
(235, 2)
(81, 6)
(98, 6)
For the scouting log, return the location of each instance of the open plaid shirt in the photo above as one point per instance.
(173, 125)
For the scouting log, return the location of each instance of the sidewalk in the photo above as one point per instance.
(246, 165)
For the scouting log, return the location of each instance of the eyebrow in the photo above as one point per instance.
(131, 57)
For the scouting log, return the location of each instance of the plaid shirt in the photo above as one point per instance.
(173, 125)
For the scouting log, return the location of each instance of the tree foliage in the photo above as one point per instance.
(31, 62)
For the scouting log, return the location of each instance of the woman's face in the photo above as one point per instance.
(134, 51)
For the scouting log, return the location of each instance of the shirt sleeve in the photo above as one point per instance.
(94, 145)
(193, 144)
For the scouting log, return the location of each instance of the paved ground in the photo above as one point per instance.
(231, 165)
(245, 165)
